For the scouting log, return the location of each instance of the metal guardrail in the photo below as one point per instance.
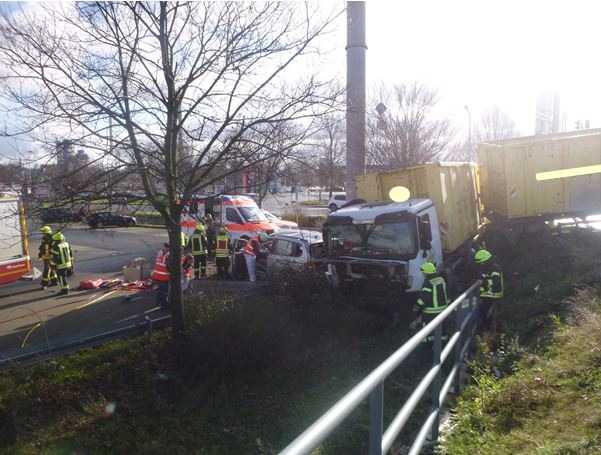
(463, 307)
(146, 325)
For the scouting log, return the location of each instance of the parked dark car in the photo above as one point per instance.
(101, 219)
(59, 215)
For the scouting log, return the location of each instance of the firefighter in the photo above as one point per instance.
(491, 288)
(160, 275)
(62, 259)
(432, 299)
(200, 248)
(251, 250)
(222, 253)
(187, 268)
(210, 231)
(45, 254)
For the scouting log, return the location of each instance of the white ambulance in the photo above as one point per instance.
(239, 214)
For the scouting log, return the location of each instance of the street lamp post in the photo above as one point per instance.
(469, 131)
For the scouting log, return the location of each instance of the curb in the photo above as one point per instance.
(151, 226)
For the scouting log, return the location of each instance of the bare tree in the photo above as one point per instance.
(495, 125)
(153, 80)
(333, 148)
(286, 143)
(407, 133)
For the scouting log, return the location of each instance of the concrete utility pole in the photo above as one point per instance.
(355, 95)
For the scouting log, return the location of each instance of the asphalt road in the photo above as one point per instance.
(31, 318)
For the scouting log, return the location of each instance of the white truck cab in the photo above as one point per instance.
(383, 241)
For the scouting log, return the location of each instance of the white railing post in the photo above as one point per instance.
(376, 419)
(436, 349)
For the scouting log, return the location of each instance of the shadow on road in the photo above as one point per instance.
(87, 321)
(47, 296)
(26, 291)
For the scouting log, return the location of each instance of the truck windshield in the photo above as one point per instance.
(389, 240)
(252, 214)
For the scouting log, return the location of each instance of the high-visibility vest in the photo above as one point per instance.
(248, 248)
(61, 256)
(198, 242)
(492, 285)
(433, 297)
(160, 271)
(223, 246)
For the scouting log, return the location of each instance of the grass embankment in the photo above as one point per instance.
(256, 374)
(539, 390)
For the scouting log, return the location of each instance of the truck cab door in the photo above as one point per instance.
(430, 243)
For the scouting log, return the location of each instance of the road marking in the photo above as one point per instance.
(97, 300)
(29, 333)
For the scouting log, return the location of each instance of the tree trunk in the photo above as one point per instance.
(331, 179)
(175, 284)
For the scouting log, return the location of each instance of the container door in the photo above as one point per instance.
(11, 245)
(584, 192)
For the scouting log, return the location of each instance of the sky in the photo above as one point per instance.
(480, 54)
(487, 52)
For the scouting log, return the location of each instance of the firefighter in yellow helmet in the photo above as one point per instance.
(49, 277)
(222, 253)
(491, 289)
(432, 298)
(62, 258)
(199, 247)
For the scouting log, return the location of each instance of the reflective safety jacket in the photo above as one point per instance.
(252, 247)
(62, 255)
(45, 251)
(223, 246)
(433, 296)
(161, 272)
(198, 243)
(492, 285)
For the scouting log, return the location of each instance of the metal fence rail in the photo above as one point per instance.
(68, 345)
(463, 309)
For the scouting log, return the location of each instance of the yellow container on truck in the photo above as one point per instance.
(452, 187)
(542, 176)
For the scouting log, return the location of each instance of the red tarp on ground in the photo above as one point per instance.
(101, 283)
(137, 285)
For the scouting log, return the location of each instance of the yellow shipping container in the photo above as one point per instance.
(451, 186)
(509, 169)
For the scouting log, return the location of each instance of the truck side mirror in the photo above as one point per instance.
(425, 235)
